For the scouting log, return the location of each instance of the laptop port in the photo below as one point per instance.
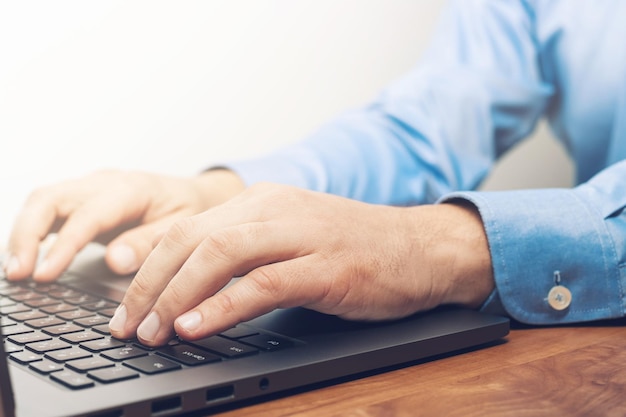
(264, 384)
(115, 413)
(166, 405)
(220, 393)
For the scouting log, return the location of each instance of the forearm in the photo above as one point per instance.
(476, 93)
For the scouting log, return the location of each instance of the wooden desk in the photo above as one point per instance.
(565, 371)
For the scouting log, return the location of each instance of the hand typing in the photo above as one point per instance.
(187, 238)
(300, 248)
(127, 210)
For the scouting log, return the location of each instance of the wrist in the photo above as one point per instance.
(464, 244)
(215, 186)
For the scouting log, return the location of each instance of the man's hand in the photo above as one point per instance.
(293, 247)
(140, 206)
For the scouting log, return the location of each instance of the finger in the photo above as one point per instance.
(127, 252)
(97, 215)
(172, 252)
(219, 257)
(153, 276)
(166, 259)
(211, 265)
(279, 285)
(31, 226)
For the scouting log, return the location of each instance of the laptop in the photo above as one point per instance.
(58, 358)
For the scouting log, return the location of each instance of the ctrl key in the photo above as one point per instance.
(72, 379)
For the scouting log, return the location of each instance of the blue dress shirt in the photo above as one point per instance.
(493, 69)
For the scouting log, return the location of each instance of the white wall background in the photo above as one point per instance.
(175, 86)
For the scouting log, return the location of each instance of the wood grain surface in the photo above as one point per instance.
(554, 371)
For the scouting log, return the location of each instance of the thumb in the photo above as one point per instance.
(126, 253)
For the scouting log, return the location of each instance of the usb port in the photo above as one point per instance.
(220, 393)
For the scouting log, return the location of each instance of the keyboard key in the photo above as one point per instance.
(152, 364)
(67, 354)
(11, 348)
(17, 329)
(24, 338)
(44, 322)
(136, 342)
(12, 290)
(108, 312)
(46, 367)
(225, 347)
(75, 314)
(80, 299)
(89, 364)
(43, 288)
(41, 302)
(239, 331)
(64, 328)
(102, 344)
(174, 341)
(127, 352)
(48, 346)
(28, 315)
(99, 305)
(16, 308)
(64, 293)
(71, 379)
(107, 375)
(26, 295)
(267, 342)
(188, 355)
(5, 321)
(92, 321)
(25, 357)
(4, 302)
(81, 337)
(102, 329)
(58, 308)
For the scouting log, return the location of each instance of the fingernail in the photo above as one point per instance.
(190, 321)
(11, 265)
(124, 258)
(149, 328)
(118, 321)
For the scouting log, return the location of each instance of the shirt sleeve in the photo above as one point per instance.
(580, 232)
(476, 92)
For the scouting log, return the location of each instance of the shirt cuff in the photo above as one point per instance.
(537, 235)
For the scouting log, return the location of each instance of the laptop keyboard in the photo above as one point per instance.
(61, 333)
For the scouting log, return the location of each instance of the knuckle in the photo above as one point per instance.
(181, 230)
(140, 286)
(267, 282)
(222, 244)
(176, 293)
(224, 304)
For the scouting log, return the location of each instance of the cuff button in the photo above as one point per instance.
(559, 297)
